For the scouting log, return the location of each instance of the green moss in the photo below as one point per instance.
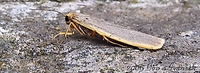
(187, 6)
(2, 41)
(43, 1)
(133, 1)
(107, 70)
(1, 63)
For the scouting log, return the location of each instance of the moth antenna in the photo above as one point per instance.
(59, 12)
(52, 10)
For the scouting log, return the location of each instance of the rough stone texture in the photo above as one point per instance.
(24, 33)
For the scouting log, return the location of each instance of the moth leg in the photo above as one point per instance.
(69, 31)
(104, 37)
(83, 31)
(92, 34)
(75, 26)
(62, 33)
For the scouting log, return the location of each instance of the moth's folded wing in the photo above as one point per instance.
(126, 36)
(134, 38)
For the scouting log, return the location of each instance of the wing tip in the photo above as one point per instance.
(160, 45)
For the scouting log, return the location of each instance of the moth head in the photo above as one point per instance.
(67, 19)
(69, 16)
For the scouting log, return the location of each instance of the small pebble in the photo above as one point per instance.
(186, 33)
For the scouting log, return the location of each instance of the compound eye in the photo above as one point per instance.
(66, 18)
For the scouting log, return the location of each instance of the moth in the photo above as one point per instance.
(114, 34)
